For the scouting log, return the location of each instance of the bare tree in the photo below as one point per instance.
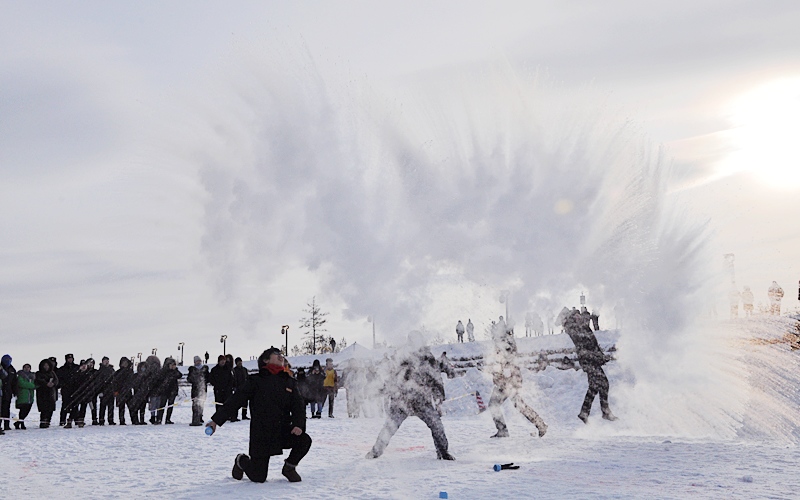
(312, 325)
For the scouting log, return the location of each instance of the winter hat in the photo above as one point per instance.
(198, 358)
(264, 358)
(220, 357)
(6, 360)
(237, 360)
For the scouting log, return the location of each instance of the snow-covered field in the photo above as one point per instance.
(599, 460)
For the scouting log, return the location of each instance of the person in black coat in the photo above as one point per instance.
(591, 358)
(138, 401)
(86, 393)
(278, 419)
(221, 377)
(105, 376)
(239, 378)
(46, 392)
(169, 389)
(415, 388)
(66, 382)
(9, 389)
(315, 389)
(122, 386)
(198, 377)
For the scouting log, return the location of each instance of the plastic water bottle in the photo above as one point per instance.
(442, 494)
(209, 430)
(498, 467)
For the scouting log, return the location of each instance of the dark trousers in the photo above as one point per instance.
(93, 407)
(66, 402)
(44, 418)
(598, 384)
(331, 396)
(5, 409)
(121, 405)
(170, 402)
(80, 413)
(398, 415)
(133, 409)
(24, 410)
(107, 407)
(256, 468)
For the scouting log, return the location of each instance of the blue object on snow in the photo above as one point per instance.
(497, 467)
(747, 479)
(442, 494)
(209, 431)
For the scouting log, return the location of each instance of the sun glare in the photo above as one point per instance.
(766, 136)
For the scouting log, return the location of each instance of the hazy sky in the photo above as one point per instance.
(171, 173)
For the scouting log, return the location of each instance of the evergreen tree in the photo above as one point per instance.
(312, 327)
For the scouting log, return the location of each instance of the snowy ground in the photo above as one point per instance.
(599, 460)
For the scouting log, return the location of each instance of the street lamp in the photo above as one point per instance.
(372, 320)
(223, 339)
(285, 332)
(504, 300)
(155, 350)
(180, 348)
(140, 358)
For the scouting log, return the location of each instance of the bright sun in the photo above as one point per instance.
(767, 133)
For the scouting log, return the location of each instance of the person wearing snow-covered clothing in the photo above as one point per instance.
(198, 377)
(470, 331)
(26, 389)
(507, 379)
(591, 359)
(221, 377)
(415, 389)
(46, 382)
(3, 378)
(445, 366)
(122, 385)
(460, 331)
(66, 382)
(277, 420)
(105, 375)
(9, 388)
(775, 294)
(239, 378)
(734, 297)
(138, 401)
(747, 301)
(595, 317)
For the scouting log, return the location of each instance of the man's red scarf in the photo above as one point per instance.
(274, 369)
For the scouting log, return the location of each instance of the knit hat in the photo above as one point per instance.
(198, 358)
(6, 360)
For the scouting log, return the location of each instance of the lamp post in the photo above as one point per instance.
(155, 350)
(140, 358)
(180, 348)
(224, 340)
(371, 319)
(504, 300)
(285, 333)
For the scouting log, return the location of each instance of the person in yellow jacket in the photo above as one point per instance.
(331, 384)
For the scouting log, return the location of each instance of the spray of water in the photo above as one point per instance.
(463, 185)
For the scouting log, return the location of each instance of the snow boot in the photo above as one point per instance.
(609, 416)
(94, 422)
(102, 422)
(290, 473)
(195, 424)
(444, 455)
(169, 422)
(68, 425)
(22, 425)
(16, 425)
(371, 454)
(542, 427)
(501, 434)
(111, 422)
(584, 417)
(238, 471)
